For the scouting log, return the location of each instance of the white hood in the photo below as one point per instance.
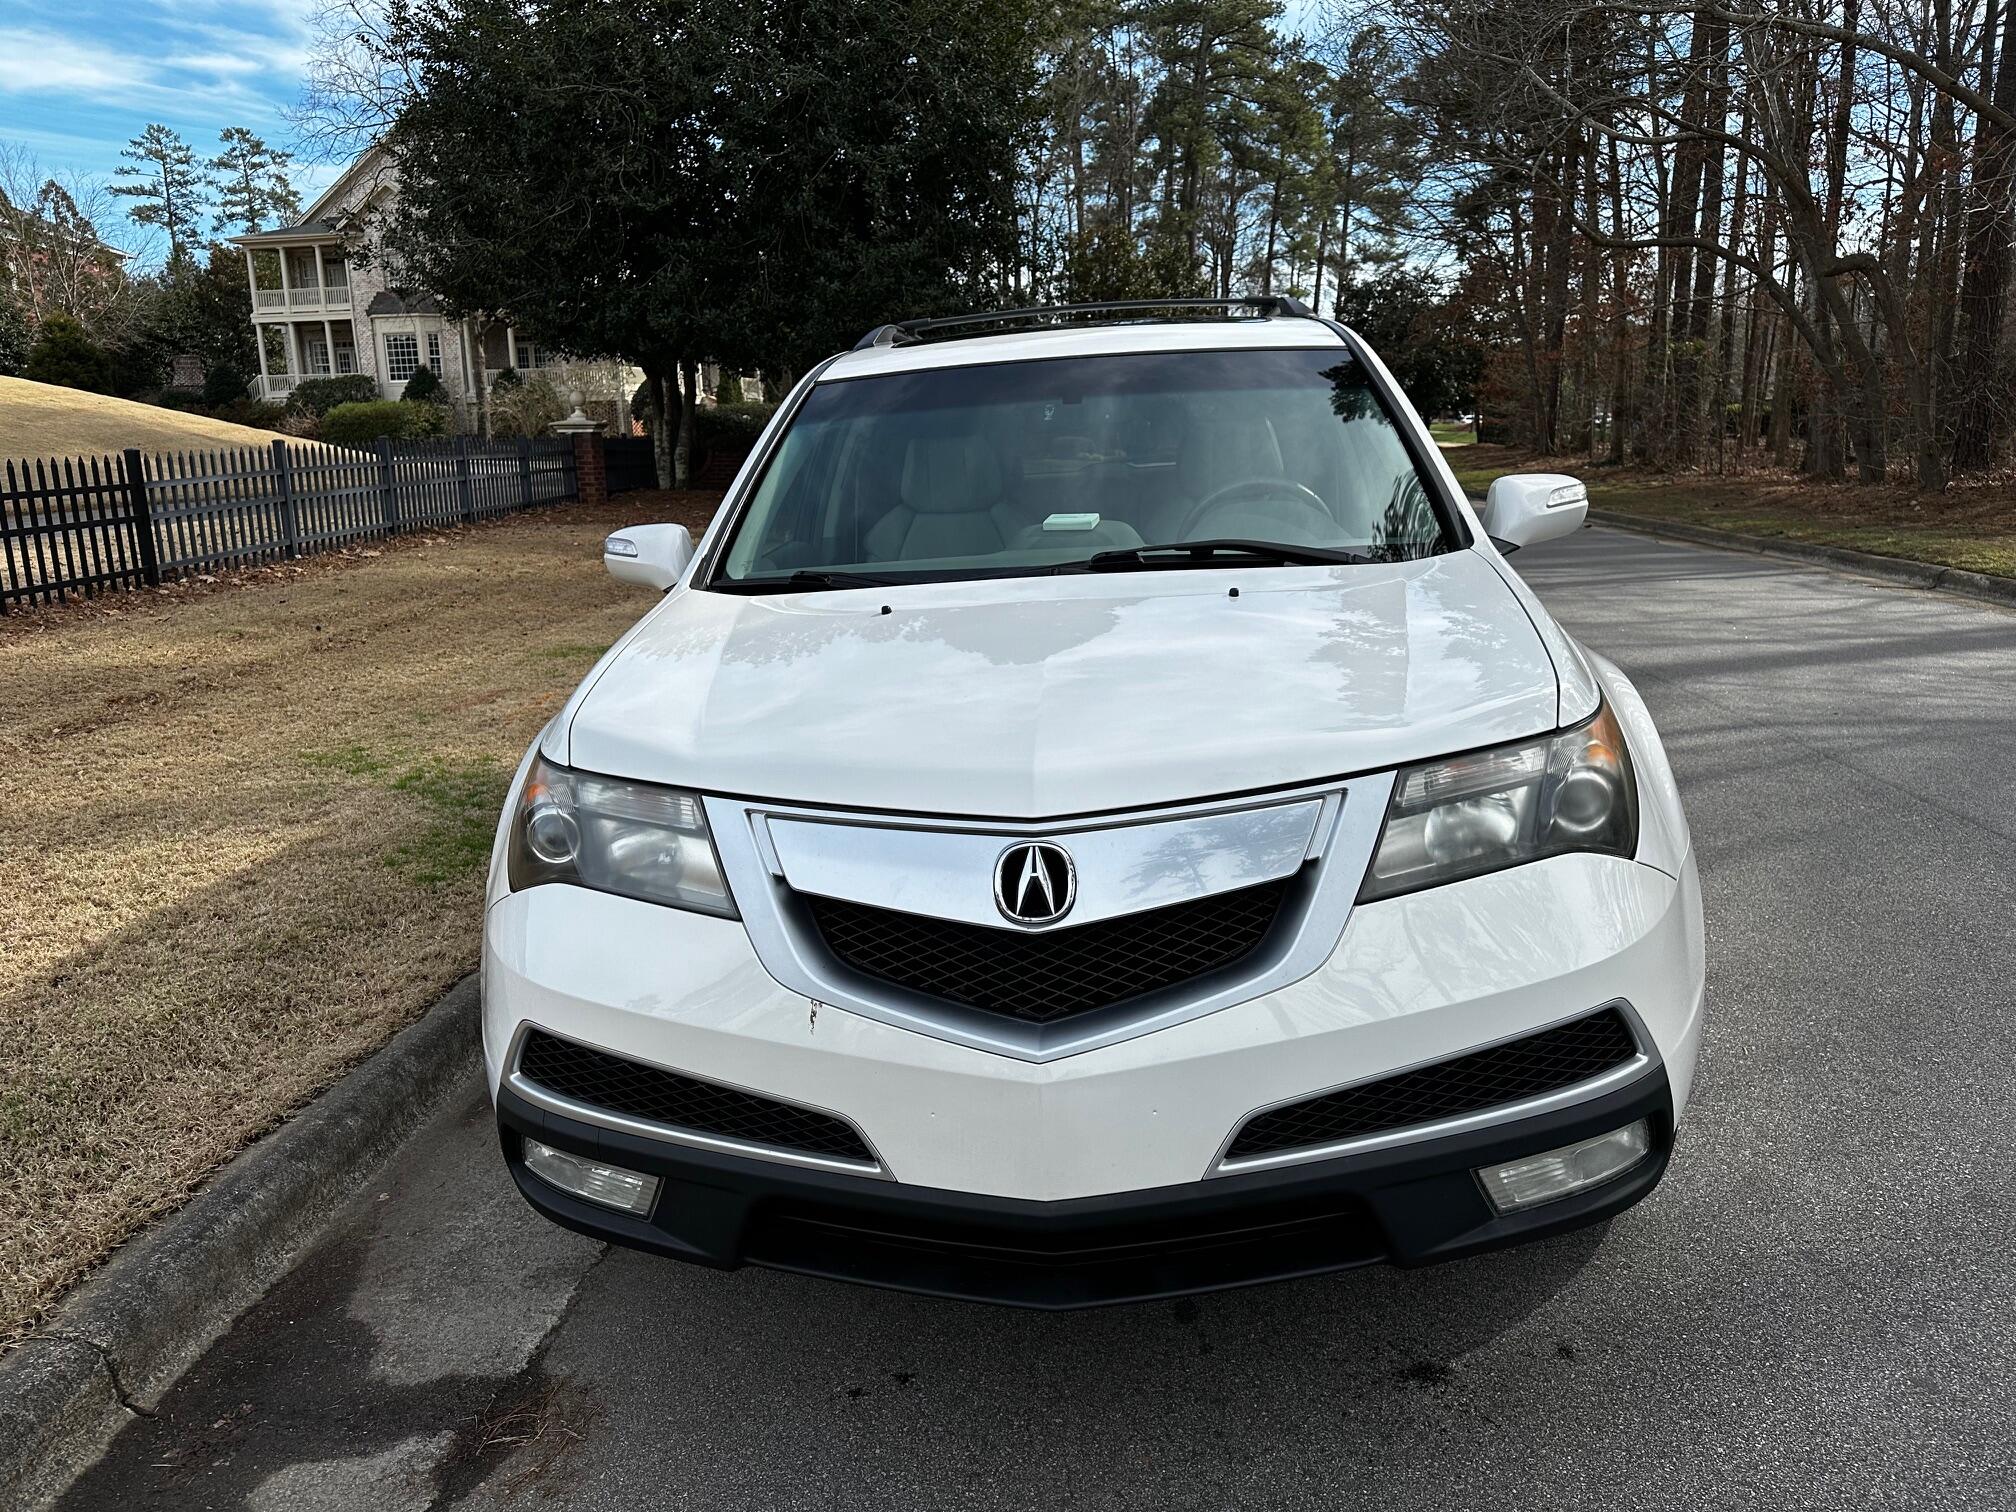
(1030, 698)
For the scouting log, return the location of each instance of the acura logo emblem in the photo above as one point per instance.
(1035, 883)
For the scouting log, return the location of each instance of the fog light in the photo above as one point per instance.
(612, 1186)
(1554, 1174)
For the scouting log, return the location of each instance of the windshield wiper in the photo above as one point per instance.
(1212, 554)
(805, 580)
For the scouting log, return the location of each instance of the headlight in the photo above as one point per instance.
(1492, 809)
(623, 837)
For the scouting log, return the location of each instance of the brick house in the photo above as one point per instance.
(318, 310)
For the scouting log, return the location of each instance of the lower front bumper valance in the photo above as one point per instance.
(1410, 1204)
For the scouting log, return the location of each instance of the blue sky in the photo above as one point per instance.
(80, 78)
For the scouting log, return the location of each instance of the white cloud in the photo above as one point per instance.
(223, 64)
(37, 62)
(44, 63)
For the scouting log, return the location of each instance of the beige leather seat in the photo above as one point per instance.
(952, 504)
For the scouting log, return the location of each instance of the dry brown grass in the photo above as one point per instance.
(243, 844)
(1972, 525)
(41, 420)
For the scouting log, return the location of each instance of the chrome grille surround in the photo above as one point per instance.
(1343, 824)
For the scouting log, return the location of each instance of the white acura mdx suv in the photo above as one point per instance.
(1095, 818)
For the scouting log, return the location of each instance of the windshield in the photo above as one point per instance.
(1042, 466)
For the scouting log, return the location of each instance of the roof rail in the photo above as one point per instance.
(907, 332)
(882, 336)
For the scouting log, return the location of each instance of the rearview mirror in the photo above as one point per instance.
(1524, 508)
(655, 556)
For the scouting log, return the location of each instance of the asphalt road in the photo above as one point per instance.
(1814, 1310)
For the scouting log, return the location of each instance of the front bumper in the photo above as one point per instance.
(1100, 1176)
(1413, 980)
(1412, 1204)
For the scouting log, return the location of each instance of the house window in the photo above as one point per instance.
(346, 359)
(528, 355)
(402, 357)
(318, 355)
(434, 352)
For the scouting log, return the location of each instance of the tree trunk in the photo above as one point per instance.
(1322, 250)
(1590, 277)
(1696, 211)
(1621, 392)
(1788, 381)
(661, 440)
(1945, 269)
(1273, 230)
(1078, 172)
(682, 449)
(1761, 345)
(480, 333)
(1559, 257)
(1983, 416)
(1826, 437)
(1345, 209)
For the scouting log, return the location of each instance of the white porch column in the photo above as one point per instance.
(329, 344)
(265, 378)
(252, 278)
(322, 296)
(294, 352)
(510, 347)
(286, 291)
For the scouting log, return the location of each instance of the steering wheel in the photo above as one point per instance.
(1308, 509)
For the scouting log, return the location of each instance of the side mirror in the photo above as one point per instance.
(1525, 508)
(653, 556)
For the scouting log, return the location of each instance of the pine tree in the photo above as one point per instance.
(168, 183)
(252, 183)
(1373, 165)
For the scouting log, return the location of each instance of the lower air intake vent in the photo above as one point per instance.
(1059, 973)
(1513, 1072)
(616, 1085)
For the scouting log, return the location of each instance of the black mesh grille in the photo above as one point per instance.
(1530, 1067)
(1042, 978)
(682, 1102)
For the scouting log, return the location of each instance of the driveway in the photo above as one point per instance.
(1812, 1311)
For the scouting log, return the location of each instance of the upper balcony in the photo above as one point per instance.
(303, 299)
(297, 271)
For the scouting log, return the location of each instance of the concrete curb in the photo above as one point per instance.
(121, 1339)
(1900, 570)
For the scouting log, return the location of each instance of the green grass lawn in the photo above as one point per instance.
(1449, 433)
(1971, 527)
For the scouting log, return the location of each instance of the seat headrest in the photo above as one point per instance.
(950, 475)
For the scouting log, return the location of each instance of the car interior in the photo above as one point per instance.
(1026, 481)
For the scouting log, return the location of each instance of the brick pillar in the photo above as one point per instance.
(591, 470)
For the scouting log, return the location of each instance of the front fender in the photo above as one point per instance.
(1663, 838)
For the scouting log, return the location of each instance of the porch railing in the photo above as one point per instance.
(303, 297)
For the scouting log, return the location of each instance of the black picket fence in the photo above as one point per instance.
(81, 525)
(628, 463)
